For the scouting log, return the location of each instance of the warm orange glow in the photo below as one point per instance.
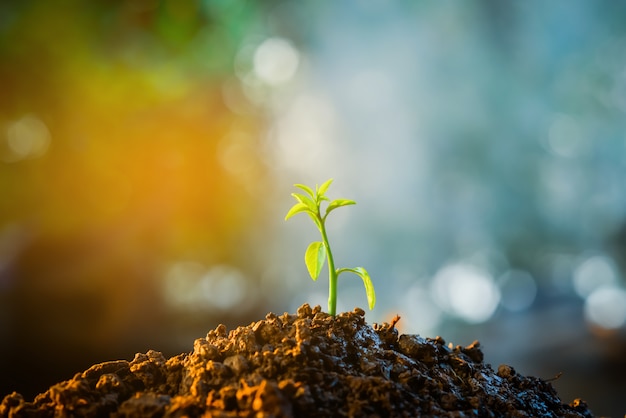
(118, 158)
(119, 139)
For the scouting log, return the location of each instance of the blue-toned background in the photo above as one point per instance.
(148, 149)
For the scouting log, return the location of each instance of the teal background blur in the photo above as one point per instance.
(148, 149)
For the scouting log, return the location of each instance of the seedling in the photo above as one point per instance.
(318, 251)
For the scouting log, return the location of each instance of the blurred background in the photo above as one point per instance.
(148, 149)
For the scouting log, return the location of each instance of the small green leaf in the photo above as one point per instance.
(367, 282)
(321, 191)
(297, 208)
(307, 189)
(337, 203)
(315, 219)
(306, 200)
(314, 258)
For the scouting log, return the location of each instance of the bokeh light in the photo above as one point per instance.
(592, 273)
(467, 292)
(191, 286)
(605, 307)
(27, 137)
(275, 61)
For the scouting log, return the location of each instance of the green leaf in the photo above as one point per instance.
(297, 208)
(337, 203)
(367, 282)
(307, 189)
(321, 191)
(314, 258)
(315, 219)
(307, 201)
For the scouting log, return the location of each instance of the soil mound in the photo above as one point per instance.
(304, 365)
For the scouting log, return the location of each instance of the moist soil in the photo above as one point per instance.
(304, 365)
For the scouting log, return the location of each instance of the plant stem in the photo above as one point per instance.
(332, 273)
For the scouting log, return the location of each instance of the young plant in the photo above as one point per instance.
(318, 251)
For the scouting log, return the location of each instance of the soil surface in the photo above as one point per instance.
(304, 365)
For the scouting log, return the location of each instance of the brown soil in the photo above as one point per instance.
(304, 365)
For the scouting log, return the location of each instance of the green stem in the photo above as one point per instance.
(332, 273)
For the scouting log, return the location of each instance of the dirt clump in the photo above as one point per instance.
(304, 365)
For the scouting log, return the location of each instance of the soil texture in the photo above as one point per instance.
(307, 364)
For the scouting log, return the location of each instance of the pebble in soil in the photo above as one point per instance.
(304, 365)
